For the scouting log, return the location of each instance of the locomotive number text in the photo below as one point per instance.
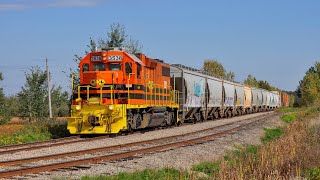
(115, 58)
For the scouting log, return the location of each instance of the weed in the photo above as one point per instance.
(166, 173)
(29, 133)
(289, 118)
(314, 173)
(271, 134)
(209, 168)
(289, 109)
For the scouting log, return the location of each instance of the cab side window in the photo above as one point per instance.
(138, 70)
(128, 68)
(85, 67)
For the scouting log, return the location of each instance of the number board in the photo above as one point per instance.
(96, 58)
(115, 58)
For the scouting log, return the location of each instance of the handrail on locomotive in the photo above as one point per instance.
(174, 94)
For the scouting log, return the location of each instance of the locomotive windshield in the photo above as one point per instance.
(99, 67)
(114, 66)
(85, 67)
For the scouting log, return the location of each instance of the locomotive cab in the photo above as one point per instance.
(114, 67)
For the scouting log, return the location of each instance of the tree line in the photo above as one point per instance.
(308, 91)
(32, 100)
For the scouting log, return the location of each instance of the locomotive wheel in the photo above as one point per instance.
(172, 120)
(229, 114)
(216, 115)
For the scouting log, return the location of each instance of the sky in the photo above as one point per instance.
(276, 41)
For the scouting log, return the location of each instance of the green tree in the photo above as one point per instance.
(33, 97)
(12, 105)
(214, 67)
(309, 87)
(133, 46)
(116, 37)
(4, 114)
(60, 99)
(1, 91)
(251, 81)
(265, 85)
(230, 76)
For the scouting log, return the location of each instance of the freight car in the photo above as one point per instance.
(284, 99)
(120, 91)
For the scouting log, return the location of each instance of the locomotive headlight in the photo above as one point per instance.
(78, 107)
(111, 107)
(93, 82)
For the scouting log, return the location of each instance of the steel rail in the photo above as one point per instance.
(38, 143)
(48, 144)
(122, 155)
(115, 147)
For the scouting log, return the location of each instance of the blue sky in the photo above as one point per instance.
(273, 40)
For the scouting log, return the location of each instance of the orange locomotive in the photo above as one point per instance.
(120, 91)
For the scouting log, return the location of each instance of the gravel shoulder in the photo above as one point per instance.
(181, 158)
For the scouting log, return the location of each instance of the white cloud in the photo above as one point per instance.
(16, 5)
(75, 3)
(12, 7)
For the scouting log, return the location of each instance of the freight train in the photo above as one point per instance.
(120, 92)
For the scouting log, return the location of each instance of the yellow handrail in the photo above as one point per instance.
(101, 88)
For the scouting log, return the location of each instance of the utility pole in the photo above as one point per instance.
(49, 92)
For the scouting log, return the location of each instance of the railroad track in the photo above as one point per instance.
(127, 154)
(45, 144)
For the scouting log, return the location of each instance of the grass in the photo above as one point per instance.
(289, 118)
(209, 168)
(10, 128)
(314, 173)
(29, 133)
(286, 153)
(272, 134)
(165, 173)
(290, 109)
(36, 131)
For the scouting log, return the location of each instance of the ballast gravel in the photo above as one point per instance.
(181, 158)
